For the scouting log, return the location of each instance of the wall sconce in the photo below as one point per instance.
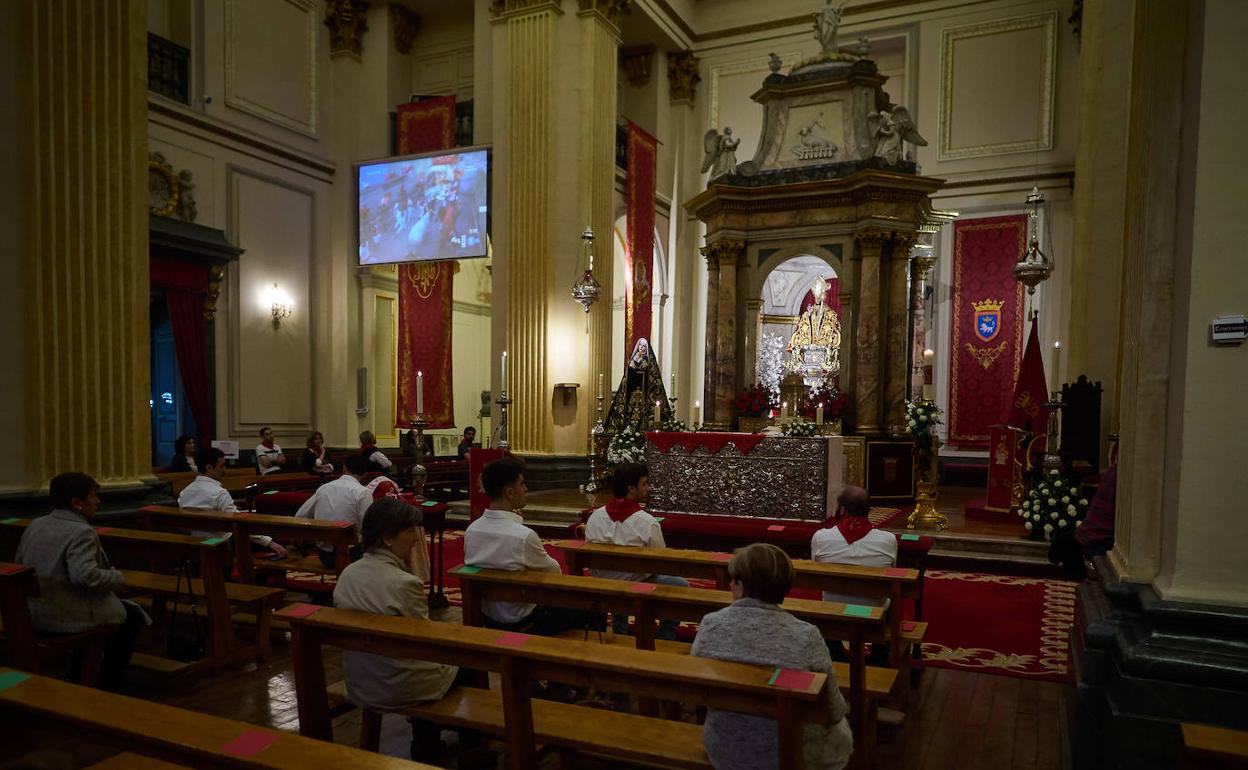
(280, 303)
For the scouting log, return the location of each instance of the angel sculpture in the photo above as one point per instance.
(721, 153)
(891, 130)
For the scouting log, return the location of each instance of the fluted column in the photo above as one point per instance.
(869, 249)
(712, 333)
(600, 42)
(75, 285)
(898, 332)
(530, 35)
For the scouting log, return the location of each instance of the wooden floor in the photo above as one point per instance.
(961, 720)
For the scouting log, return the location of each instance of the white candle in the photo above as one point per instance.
(819, 415)
(697, 413)
(420, 394)
(599, 384)
(784, 409)
(1057, 360)
(503, 376)
(929, 356)
(673, 383)
(657, 418)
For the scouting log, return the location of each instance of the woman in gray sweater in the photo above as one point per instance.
(753, 629)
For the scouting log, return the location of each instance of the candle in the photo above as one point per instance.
(1057, 359)
(697, 413)
(929, 356)
(819, 415)
(784, 409)
(599, 384)
(657, 418)
(503, 376)
(420, 394)
(673, 383)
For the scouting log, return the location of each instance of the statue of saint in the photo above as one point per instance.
(642, 385)
(815, 348)
(826, 23)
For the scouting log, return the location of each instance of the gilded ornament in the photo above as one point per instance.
(985, 356)
(169, 193)
(682, 75)
(404, 22)
(636, 63)
(345, 19)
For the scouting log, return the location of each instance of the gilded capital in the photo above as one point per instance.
(872, 235)
(727, 251)
(682, 75)
(612, 10)
(404, 22)
(345, 19)
(636, 63)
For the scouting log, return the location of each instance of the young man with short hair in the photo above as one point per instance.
(465, 444)
(343, 499)
(500, 540)
(269, 456)
(622, 521)
(205, 493)
(371, 452)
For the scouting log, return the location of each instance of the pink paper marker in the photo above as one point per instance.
(895, 572)
(342, 523)
(102, 530)
(792, 680)
(300, 610)
(776, 528)
(721, 556)
(11, 569)
(908, 625)
(642, 588)
(250, 743)
(512, 639)
(573, 543)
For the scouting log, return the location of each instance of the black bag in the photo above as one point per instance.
(186, 646)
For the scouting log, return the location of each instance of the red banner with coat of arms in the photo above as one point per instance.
(425, 288)
(639, 256)
(987, 335)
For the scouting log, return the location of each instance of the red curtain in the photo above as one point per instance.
(987, 340)
(425, 288)
(831, 298)
(184, 286)
(639, 256)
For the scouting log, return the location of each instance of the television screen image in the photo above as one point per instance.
(426, 207)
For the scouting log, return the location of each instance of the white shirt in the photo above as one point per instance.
(878, 548)
(640, 530)
(378, 457)
(206, 494)
(343, 499)
(263, 451)
(499, 540)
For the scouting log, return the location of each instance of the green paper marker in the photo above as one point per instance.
(774, 676)
(468, 569)
(857, 611)
(11, 520)
(213, 540)
(10, 678)
(909, 537)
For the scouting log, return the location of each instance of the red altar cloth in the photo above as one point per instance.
(744, 442)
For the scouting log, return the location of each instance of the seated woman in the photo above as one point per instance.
(183, 454)
(754, 629)
(315, 460)
(76, 582)
(380, 583)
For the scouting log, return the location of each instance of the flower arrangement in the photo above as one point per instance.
(834, 401)
(921, 417)
(1053, 505)
(799, 427)
(673, 425)
(755, 401)
(627, 446)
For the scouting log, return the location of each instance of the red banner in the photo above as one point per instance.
(987, 339)
(425, 288)
(1026, 409)
(639, 256)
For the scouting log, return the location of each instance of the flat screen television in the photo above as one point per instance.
(424, 207)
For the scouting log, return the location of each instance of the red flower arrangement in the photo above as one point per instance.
(754, 401)
(834, 401)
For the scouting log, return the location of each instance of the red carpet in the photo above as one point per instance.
(992, 624)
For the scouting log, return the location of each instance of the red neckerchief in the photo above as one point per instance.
(267, 444)
(854, 528)
(620, 508)
(367, 449)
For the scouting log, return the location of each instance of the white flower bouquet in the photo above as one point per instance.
(1053, 505)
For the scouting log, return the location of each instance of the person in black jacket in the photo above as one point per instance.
(183, 454)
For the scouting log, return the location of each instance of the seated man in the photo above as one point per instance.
(848, 538)
(269, 456)
(499, 540)
(370, 451)
(205, 493)
(343, 499)
(623, 522)
(465, 444)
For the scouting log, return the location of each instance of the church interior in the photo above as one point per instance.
(781, 281)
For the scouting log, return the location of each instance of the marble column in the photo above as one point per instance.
(712, 333)
(868, 382)
(898, 333)
(752, 338)
(731, 254)
(529, 172)
(74, 283)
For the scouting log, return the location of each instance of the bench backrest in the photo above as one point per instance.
(17, 582)
(185, 737)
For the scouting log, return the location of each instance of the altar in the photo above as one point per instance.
(744, 474)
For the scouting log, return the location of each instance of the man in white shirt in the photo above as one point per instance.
(269, 457)
(848, 538)
(499, 540)
(205, 493)
(371, 452)
(343, 499)
(623, 522)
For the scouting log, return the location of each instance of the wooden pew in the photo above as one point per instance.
(169, 734)
(235, 481)
(522, 659)
(28, 647)
(892, 583)
(649, 602)
(1223, 745)
(284, 529)
(210, 589)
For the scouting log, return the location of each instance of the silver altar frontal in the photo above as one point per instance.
(781, 477)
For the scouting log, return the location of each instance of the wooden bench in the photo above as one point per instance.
(235, 481)
(649, 602)
(27, 647)
(210, 589)
(892, 583)
(285, 529)
(522, 659)
(1223, 745)
(165, 733)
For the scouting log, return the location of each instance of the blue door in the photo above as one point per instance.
(166, 394)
